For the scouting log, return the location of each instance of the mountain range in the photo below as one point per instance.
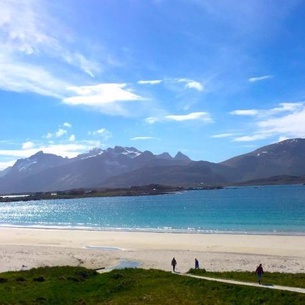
(127, 166)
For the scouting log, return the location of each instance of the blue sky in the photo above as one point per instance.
(210, 78)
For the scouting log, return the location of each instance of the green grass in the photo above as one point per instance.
(75, 285)
(271, 278)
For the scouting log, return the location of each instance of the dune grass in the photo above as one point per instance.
(76, 285)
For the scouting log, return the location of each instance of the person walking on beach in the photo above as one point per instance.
(174, 263)
(259, 272)
(196, 263)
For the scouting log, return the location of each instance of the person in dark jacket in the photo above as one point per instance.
(174, 263)
(259, 272)
(196, 263)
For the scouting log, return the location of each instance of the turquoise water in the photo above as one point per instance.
(249, 210)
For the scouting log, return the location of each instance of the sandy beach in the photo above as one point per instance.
(22, 249)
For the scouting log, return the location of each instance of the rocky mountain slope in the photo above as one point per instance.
(47, 172)
(127, 166)
(283, 158)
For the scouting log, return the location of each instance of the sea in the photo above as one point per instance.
(278, 210)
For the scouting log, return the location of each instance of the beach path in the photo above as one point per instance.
(270, 286)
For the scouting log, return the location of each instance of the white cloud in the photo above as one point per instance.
(194, 116)
(28, 145)
(223, 135)
(285, 121)
(250, 112)
(291, 125)
(60, 132)
(66, 149)
(68, 125)
(103, 132)
(105, 97)
(6, 164)
(69, 150)
(149, 82)
(101, 94)
(191, 84)
(141, 138)
(100, 131)
(194, 85)
(72, 138)
(152, 120)
(49, 135)
(19, 153)
(282, 139)
(201, 116)
(256, 79)
(283, 107)
(252, 138)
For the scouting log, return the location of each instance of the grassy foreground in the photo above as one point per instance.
(76, 285)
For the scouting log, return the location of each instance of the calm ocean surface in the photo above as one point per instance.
(249, 210)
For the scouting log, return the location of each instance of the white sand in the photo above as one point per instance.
(28, 248)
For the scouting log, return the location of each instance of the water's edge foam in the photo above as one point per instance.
(153, 230)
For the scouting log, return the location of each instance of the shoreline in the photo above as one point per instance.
(26, 248)
(157, 231)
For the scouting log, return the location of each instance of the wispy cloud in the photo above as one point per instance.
(259, 78)
(35, 55)
(286, 107)
(194, 116)
(223, 135)
(188, 83)
(152, 120)
(251, 138)
(141, 138)
(284, 121)
(30, 29)
(288, 125)
(281, 109)
(150, 82)
(22, 77)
